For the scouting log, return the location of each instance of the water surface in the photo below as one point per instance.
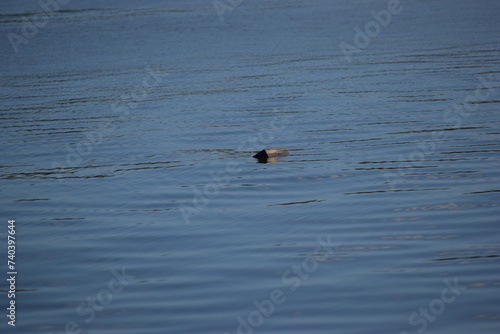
(127, 135)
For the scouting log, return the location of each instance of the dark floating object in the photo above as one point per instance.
(271, 153)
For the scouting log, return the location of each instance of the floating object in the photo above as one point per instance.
(271, 153)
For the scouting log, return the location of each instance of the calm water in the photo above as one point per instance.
(127, 134)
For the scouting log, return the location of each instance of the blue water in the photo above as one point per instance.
(128, 129)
